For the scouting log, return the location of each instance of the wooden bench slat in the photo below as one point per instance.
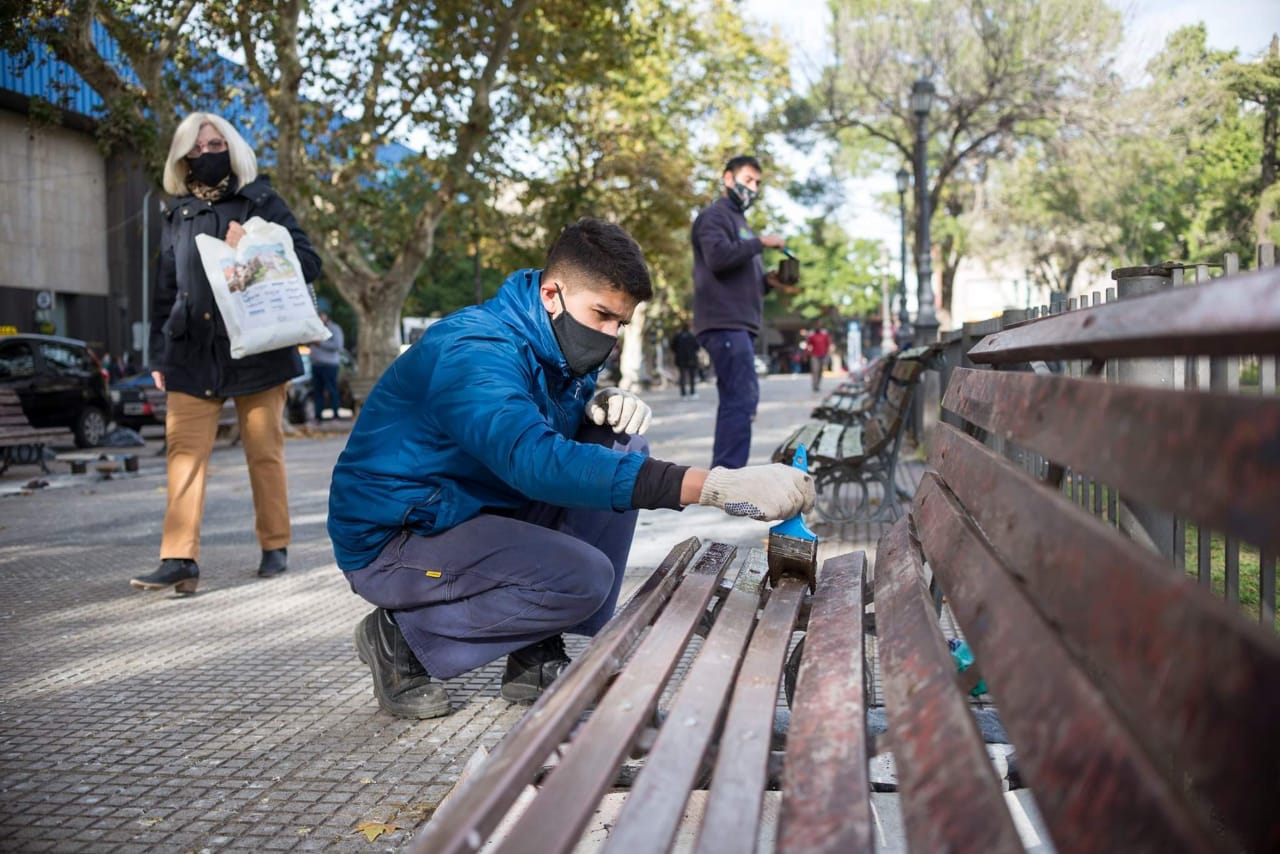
(1237, 316)
(1071, 743)
(32, 434)
(951, 798)
(1228, 469)
(851, 447)
(735, 801)
(477, 807)
(1148, 614)
(572, 791)
(650, 817)
(802, 435)
(827, 448)
(825, 806)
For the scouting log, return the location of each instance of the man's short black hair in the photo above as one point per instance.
(603, 255)
(736, 163)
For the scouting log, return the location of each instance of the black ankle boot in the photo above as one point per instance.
(274, 562)
(400, 682)
(531, 670)
(179, 573)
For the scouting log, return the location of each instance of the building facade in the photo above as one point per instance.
(78, 229)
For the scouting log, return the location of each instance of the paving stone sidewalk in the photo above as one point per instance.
(240, 719)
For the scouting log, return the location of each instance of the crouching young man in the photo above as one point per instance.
(487, 496)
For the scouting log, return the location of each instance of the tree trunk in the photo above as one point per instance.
(631, 368)
(950, 261)
(1270, 134)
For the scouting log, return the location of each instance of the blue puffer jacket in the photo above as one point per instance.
(479, 414)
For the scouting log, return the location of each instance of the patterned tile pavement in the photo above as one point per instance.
(240, 719)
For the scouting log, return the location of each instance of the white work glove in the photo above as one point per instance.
(768, 492)
(621, 410)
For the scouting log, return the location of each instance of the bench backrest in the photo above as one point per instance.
(852, 398)
(1144, 710)
(11, 413)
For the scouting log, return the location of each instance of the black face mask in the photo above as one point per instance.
(584, 348)
(210, 168)
(742, 195)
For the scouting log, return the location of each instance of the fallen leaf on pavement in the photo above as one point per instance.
(373, 829)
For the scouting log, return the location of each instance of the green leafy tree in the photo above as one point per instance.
(526, 115)
(338, 81)
(1006, 72)
(1163, 171)
(640, 144)
(1258, 83)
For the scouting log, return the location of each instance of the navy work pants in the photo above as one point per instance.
(733, 353)
(497, 583)
(324, 387)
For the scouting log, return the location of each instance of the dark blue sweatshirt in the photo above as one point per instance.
(728, 273)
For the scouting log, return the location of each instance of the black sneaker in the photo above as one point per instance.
(531, 670)
(400, 682)
(179, 573)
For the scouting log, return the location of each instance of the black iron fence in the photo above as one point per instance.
(1239, 572)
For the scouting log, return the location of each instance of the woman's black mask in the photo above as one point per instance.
(584, 348)
(210, 168)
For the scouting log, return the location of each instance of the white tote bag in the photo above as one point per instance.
(264, 300)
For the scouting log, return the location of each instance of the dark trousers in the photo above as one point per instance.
(497, 583)
(733, 354)
(688, 375)
(324, 384)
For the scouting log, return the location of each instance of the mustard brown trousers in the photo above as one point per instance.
(190, 427)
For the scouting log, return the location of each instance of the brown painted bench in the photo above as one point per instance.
(853, 454)
(1145, 712)
(21, 443)
(717, 723)
(853, 398)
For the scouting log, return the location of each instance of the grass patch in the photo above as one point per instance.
(1250, 581)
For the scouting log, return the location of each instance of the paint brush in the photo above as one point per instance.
(793, 548)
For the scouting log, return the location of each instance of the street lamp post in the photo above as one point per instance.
(926, 315)
(886, 313)
(904, 322)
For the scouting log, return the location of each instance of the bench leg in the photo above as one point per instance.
(845, 496)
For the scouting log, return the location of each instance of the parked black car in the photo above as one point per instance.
(137, 403)
(300, 407)
(60, 383)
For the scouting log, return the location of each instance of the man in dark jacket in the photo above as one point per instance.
(685, 346)
(487, 496)
(729, 284)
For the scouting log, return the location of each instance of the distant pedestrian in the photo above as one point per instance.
(111, 367)
(213, 175)
(819, 343)
(729, 284)
(685, 346)
(326, 357)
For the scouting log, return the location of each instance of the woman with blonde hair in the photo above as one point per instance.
(212, 173)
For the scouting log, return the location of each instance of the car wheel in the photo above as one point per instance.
(90, 427)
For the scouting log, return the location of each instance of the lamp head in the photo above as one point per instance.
(904, 179)
(922, 97)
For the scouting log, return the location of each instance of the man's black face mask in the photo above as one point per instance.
(742, 195)
(584, 348)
